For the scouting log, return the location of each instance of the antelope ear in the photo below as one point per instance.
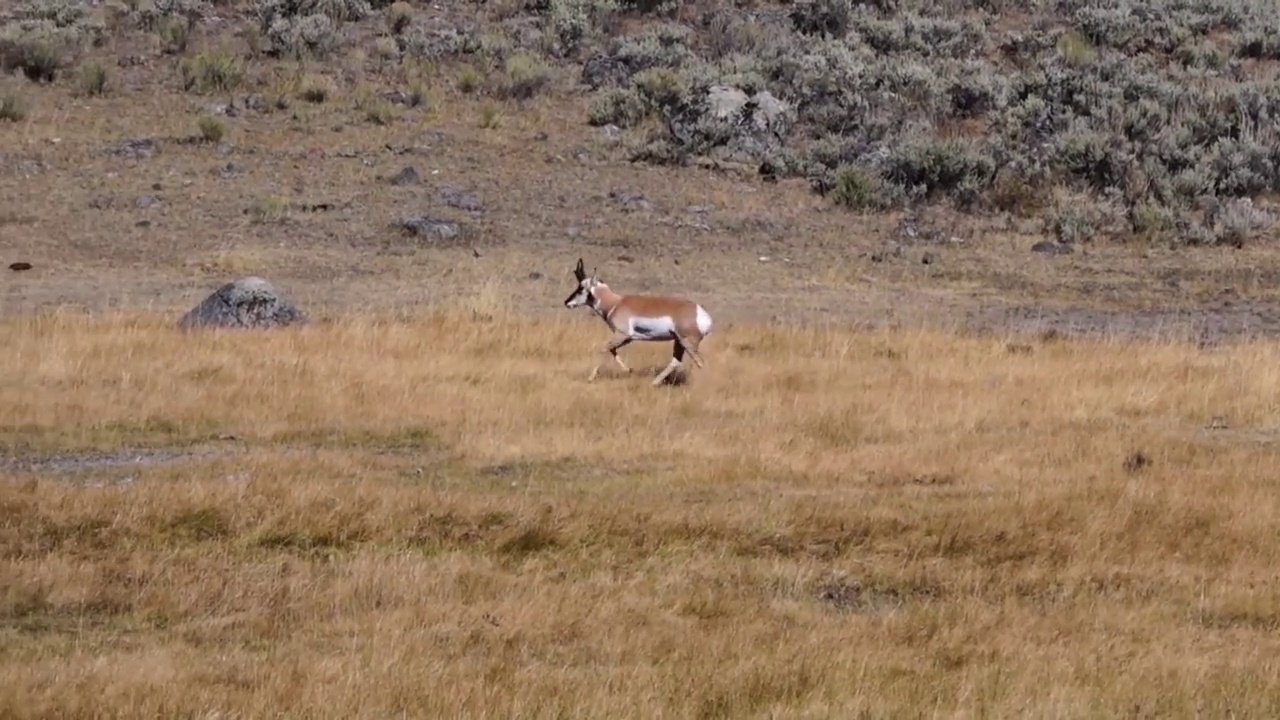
(579, 272)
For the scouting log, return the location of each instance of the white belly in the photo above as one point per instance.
(660, 328)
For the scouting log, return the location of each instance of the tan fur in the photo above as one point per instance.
(618, 311)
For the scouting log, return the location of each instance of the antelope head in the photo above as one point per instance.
(581, 294)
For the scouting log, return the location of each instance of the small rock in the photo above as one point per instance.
(145, 201)
(612, 133)
(20, 266)
(928, 259)
(256, 102)
(603, 70)
(407, 176)
(139, 148)
(1049, 247)
(400, 97)
(229, 170)
(249, 302)
(535, 275)
(630, 202)
(429, 228)
(455, 196)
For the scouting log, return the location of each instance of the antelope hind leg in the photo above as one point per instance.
(693, 350)
(671, 367)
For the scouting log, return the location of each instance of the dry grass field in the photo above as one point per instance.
(437, 516)
(926, 472)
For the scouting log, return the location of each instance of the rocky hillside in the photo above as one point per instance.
(1140, 118)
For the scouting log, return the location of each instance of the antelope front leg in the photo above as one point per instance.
(618, 342)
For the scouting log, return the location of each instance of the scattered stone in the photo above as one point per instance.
(256, 102)
(629, 201)
(400, 97)
(1049, 247)
(928, 259)
(20, 266)
(139, 148)
(250, 302)
(145, 201)
(407, 176)
(454, 196)
(229, 171)
(535, 275)
(612, 133)
(604, 70)
(430, 228)
(894, 251)
(315, 207)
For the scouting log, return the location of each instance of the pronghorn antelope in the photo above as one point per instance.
(642, 317)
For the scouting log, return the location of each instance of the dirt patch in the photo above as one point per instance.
(1213, 324)
(69, 463)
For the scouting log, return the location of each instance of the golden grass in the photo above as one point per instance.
(437, 517)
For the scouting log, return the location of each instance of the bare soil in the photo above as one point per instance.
(105, 229)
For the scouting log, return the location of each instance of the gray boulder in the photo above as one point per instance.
(728, 124)
(430, 228)
(249, 302)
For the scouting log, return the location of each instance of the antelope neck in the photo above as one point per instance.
(604, 301)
